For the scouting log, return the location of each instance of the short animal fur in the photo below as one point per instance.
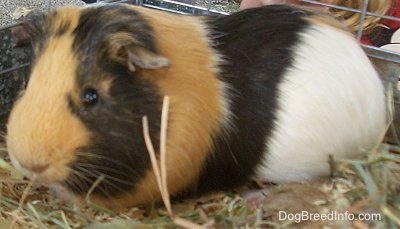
(264, 93)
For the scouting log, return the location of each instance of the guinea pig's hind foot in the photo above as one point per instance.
(257, 196)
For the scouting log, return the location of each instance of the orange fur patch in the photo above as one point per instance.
(50, 132)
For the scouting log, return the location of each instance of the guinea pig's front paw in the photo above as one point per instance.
(63, 194)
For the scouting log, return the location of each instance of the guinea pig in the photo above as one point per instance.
(265, 93)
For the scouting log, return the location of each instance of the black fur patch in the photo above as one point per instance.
(257, 45)
(120, 155)
(98, 22)
(34, 31)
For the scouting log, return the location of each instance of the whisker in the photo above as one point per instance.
(105, 181)
(109, 159)
(88, 155)
(79, 185)
(100, 168)
(105, 175)
(77, 176)
(73, 183)
(81, 174)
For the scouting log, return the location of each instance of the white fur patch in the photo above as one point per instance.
(331, 102)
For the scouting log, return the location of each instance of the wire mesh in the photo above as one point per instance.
(14, 62)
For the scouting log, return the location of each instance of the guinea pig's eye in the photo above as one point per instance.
(89, 97)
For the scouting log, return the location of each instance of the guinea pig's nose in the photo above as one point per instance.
(36, 168)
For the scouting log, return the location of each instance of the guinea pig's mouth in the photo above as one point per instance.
(44, 175)
(65, 182)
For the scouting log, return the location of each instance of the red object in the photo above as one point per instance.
(381, 35)
(395, 12)
(365, 40)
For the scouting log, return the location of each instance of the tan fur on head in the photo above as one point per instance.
(52, 132)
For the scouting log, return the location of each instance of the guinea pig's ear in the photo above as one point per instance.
(125, 49)
(30, 30)
(143, 58)
(21, 36)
